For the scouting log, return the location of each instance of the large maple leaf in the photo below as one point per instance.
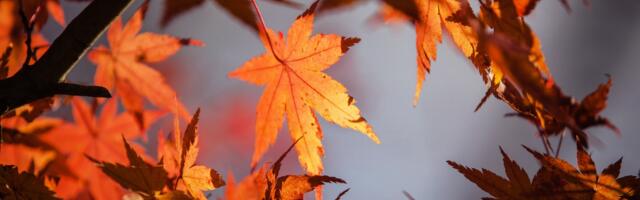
(123, 67)
(291, 69)
(98, 137)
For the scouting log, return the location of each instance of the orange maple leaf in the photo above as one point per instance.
(451, 15)
(292, 69)
(123, 66)
(266, 183)
(179, 160)
(432, 17)
(98, 137)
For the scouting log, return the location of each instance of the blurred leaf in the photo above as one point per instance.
(124, 67)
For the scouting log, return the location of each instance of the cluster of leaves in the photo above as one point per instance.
(497, 41)
(176, 177)
(556, 179)
(43, 143)
(508, 55)
(122, 67)
(266, 183)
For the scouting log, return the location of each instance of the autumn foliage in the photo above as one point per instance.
(71, 147)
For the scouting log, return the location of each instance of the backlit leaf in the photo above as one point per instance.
(291, 69)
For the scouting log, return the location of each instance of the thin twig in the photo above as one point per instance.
(28, 24)
(546, 148)
(559, 144)
(546, 139)
(408, 195)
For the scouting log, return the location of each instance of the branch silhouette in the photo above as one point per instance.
(46, 76)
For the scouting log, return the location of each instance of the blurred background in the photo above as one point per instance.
(580, 48)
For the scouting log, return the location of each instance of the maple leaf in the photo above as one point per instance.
(518, 185)
(21, 144)
(510, 60)
(267, 184)
(506, 18)
(535, 96)
(292, 69)
(599, 186)
(251, 187)
(295, 186)
(139, 176)
(556, 179)
(179, 157)
(22, 185)
(123, 67)
(430, 17)
(97, 137)
(24, 157)
(18, 130)
(588, 111)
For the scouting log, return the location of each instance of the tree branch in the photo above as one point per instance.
(45, 77)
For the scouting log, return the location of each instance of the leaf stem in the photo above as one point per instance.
(545, 144)
(559, 144)
(262, 27)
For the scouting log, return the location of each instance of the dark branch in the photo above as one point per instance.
(81, 90)
(45, 77)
